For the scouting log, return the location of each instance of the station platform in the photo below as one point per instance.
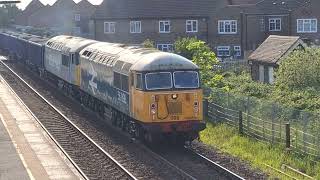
(26, 151)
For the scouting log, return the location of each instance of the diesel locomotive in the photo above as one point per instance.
(151, 94)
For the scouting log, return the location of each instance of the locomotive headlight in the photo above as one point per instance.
(153, 108)
(174, 96)
(196, 106)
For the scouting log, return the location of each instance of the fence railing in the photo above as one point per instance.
(232, 65)
(268, 122)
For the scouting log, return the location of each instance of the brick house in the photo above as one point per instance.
(58, 17)
(305, 22)
(233, 28)
(33, 6)
(127, 21)
(81, 16)
(39, 18)
(64, 17)
(255, 20)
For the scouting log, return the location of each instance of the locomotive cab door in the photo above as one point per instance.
(73, 71)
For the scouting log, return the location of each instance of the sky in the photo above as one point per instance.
(24, 3)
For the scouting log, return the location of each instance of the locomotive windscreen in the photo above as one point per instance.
(159, 80)
(186, 79)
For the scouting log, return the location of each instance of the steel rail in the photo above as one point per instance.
(71, 123)
(217, 166)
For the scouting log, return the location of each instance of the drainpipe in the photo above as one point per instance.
(290, 22)
(241, 32)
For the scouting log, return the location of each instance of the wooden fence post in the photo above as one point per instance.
(240, 123)
(288, 136)
(206, 108)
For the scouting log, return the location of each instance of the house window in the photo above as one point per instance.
(109, 27)
(192, 26)
(307, 25)
(227, 26)
(237, 51)
(275, 24)
(164, 26)
(223, 51)
(77, 17)
(135, 26)
(165, 47)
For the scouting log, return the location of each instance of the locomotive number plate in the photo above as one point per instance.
(174, 117)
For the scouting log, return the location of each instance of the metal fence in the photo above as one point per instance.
(235, 65)
(268, 121)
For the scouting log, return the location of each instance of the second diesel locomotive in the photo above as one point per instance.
(149, 93)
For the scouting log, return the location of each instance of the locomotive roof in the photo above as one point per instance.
(155, 61)
(68, 43)
(136, 58)
(27, 37)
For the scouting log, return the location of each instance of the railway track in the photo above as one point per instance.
(88, 157)
(171, 165)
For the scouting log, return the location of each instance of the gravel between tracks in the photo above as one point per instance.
(136, 159)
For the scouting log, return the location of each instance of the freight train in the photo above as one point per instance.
(149, 93)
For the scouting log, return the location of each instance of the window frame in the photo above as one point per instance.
(191, 24)
(164, 22)
(77, 17)
(136, 80)
(224, 26)
(275, 24)
(174, 80)
(239, 50)
(168, 44)
(109, 27)
(152, 89)
(223, 47)
(303, 27)
(133, 23)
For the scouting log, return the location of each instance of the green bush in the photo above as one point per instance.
(202, 55)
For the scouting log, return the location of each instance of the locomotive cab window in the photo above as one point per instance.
(72, 59)
(117, 80)
(138, 81)
(65, 60)
(125, 83)
(158, 80)
(186, 79)
(121, 81)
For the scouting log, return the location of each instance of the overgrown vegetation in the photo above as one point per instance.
(227, 140)
(202, 55)
(297, 82)
(148, 43)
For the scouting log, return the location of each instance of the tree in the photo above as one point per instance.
(202, 55)
(148, 43)
(300, 70)
(7, 14)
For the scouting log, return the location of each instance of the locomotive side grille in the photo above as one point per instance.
(175, 107)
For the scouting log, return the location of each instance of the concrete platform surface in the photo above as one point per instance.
(26, 151)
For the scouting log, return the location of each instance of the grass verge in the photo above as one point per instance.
(227, 139)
